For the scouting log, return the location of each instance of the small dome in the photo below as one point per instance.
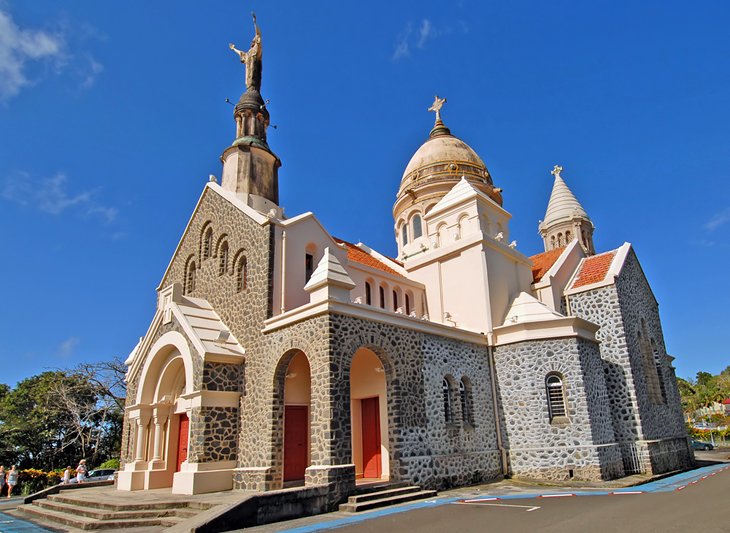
(436, 167)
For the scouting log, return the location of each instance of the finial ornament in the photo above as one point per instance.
(438, 103)
(252, 59)
(557, 169)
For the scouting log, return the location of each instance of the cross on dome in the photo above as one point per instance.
(438, 103)
(557, 169)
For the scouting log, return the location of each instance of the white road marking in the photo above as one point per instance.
(628, 492)
(555, 495)
(477, 502)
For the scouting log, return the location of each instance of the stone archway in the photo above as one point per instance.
(292, 418)
(369, 416)
(156, 416)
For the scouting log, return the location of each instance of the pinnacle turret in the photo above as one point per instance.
(565, 218)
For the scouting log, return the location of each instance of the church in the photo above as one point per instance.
(280, 355)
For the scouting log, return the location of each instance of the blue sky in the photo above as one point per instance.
(111, 120)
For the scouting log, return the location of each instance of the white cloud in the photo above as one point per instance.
(718, 219)
(424, 33)
(409, 38)
(51, 195)
(94, 69)
(401, 46)
(18, 47)
(67, 347)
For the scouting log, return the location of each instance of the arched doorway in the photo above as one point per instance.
(297, 400)
(369, 416)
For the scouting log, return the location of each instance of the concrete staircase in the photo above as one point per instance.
(78, 512)
(384, 496)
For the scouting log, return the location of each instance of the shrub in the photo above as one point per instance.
(111, 463)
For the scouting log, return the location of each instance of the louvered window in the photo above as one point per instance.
(556, 396)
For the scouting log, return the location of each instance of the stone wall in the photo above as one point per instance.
(582, 443)
(620, 309)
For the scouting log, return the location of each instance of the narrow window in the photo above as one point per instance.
(242, 275)
(404, 234)
(308, 267)
(368, 294)
(448, 411)
(552, 242)
(208, 243)
(223, 265)
(408, 305)
(382, 298)
(190, 282)
(567, 237)
(395, 301)
(659, 371)
(417, 230)
(464, 396)
(556, 396)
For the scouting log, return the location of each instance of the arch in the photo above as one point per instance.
(403, 232)
(169, 346)
(552, 242)
(408, 302)
(207, 243)
(369, 292)
(568, 237)
(190, 275)
(555, 390)
(447, 398)
(463, 225)
(416, 226)
(560, 240)
(369, 415)
(242, 274)
(397, 301)
(223, 258)
(441, 234)
(467, 401)
(291, 387)
(429, 207)
(382, 295)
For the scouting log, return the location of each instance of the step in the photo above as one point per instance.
(378, 486)
(86, 523)
(379, 495)
(106, 514)
(385, 502)
(82, 502)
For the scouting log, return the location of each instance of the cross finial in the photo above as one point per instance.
(438, 103)
(557, 169)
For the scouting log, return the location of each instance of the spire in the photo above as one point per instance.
(563, 203)
(565, 218)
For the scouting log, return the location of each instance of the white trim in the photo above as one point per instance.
(171, 338)
(545, 329)
(546, 279)
(371, 313)
(613, 272)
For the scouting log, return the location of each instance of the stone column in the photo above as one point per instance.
(141, 439)
(159, 417)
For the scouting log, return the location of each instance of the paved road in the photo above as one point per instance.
(701, 507)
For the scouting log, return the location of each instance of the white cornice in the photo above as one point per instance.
(374, 314)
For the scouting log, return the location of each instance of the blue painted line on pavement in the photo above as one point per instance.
(10, 524)
(668, 484)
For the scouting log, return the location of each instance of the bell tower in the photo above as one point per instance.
(250, 168)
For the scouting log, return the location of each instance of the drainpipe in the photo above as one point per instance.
(497, 425)
(283, 269)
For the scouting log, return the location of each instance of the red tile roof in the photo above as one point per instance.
(358, 255)
(594, 269)
(541, 263)
(726, 401)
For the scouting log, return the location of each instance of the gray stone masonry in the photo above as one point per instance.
(581, 444)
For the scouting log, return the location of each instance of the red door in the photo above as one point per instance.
(371, 460)
(296, 426)
(182, 440)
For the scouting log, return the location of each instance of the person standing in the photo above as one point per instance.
(81, 471)
(12, 479)
(66, 476)
(2, 479)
